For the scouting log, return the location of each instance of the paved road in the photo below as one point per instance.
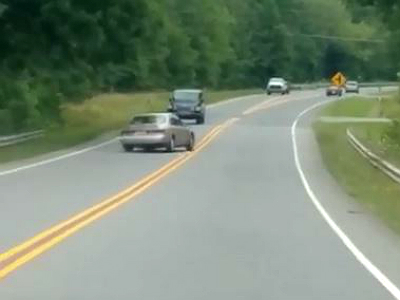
(233, 222)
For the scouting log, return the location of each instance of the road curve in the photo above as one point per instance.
(232, 222)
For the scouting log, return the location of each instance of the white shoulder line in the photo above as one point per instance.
(51, 160)
(378, 274)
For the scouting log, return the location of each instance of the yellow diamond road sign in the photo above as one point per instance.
(338, 79)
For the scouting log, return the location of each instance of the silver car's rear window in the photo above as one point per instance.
(148, 120)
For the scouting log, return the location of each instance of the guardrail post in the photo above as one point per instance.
(380, 106)
(380, 101)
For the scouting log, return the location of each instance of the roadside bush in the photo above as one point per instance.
(48, 102)
(75, 84)
(20, 100)
(392, 135)
(17, 99)
(6, 126)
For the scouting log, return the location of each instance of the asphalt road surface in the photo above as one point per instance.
(231, 221)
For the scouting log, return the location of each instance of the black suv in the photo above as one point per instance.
(188, 104)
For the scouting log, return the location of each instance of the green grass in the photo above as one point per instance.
(353, 172)
(358, 178)
(352, 107)
(375, 136)
(383, 139)
(99, 115)
(391, 107)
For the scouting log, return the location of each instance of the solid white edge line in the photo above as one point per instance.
(371, 268)
(85, 150)
(51, 160)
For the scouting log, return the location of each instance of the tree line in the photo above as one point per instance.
(56, 51)
(388, 12)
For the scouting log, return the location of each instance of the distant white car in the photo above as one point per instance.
(278, 85)
(352, 87)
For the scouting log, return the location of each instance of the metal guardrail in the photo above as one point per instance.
(19, 138)
(320, 85)
(308, 86)
(380, 84)
(389, 169)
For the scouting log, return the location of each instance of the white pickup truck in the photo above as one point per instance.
(278, 85)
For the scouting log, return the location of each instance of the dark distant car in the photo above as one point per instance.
(278, 85)
(188, 104)
(352, 87)
(163, 130)
(334, 90)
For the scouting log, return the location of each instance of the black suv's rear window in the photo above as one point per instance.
(186, 96)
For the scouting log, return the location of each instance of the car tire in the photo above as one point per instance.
(200, 120)
(127, 148)
(170, 147)
(148, 149)
(190, 145)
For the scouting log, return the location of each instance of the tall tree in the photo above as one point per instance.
(52, 51)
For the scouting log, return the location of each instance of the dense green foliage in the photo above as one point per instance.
(53, 51)
(389, 12)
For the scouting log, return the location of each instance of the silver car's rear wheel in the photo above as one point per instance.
(190, 146)
(171, 145)
(127, 148)
(148, 148)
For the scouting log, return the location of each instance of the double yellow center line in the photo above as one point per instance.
(25, 252)
(272, 102)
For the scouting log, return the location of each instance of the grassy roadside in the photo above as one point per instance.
(351, 107)
(357, 177)
(99, 115)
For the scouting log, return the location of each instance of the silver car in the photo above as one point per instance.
(163, 130)
(334, 90)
